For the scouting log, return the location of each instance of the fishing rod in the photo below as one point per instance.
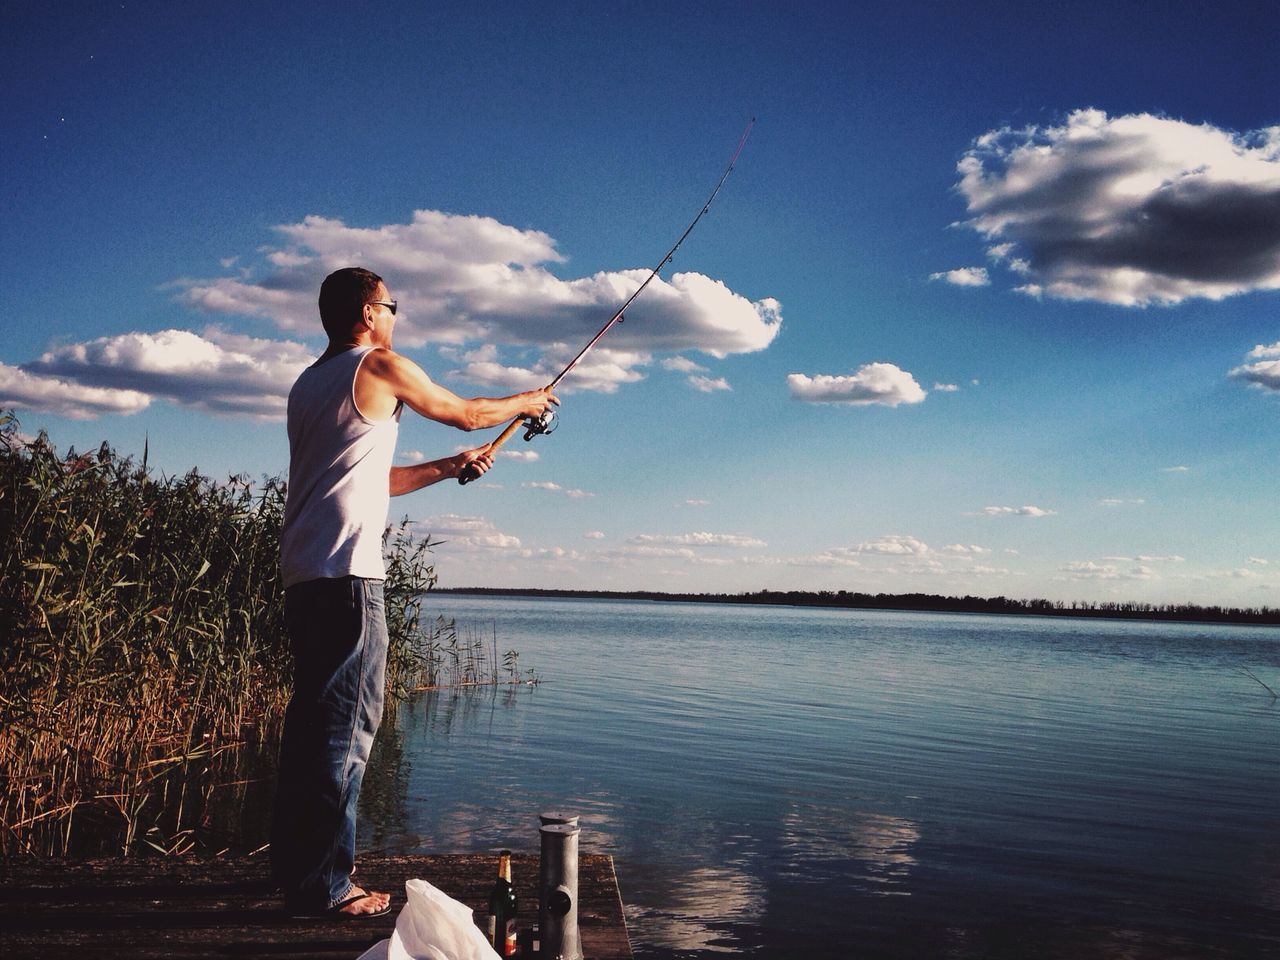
(546, 422)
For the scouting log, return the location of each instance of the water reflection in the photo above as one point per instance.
(872, 851)
(704, 911)
(458, 770)
(384, 794)
(443, 713)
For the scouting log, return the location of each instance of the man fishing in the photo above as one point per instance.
(343, 416)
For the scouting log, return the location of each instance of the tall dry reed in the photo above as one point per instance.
(142, 633)
(142, 643)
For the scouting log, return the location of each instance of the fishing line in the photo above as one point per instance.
(546, 422)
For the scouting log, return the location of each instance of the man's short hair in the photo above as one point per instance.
(342, 298)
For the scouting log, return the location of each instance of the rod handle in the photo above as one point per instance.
(469, 472)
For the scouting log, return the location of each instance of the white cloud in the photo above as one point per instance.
(984, 570)
(1263, 374)
(1243, 573)
(1119, 502)
(466, 533)
(604, 369)
(707, 385)
(964, 277)
(471, 279)
(874, 383)
(701, 539)
(289, 258)
(490, 373)
(1265, 351)
(218, 371)
(1132, 210)
(833, 557)
(520, 453)
(447, 524)
(552, 487)
(901, 555)
(1261, 561)
(292, 307)
(946, 387)
(697, 503)
(682, 365)
(1027, 511)
(1177, 469)
(657, 552)
(593, 535)
(1146, 558)
(895, 545)
(550, 554)
(64, 397)
(1088, 570)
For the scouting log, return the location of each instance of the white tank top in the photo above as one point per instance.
(339, 477)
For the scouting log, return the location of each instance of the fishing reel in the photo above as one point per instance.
(544, 423)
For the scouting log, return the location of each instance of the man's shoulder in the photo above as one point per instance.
(386, 363)
(383, 358)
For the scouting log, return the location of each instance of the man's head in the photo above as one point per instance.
(348, 305)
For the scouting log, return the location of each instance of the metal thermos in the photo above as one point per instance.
(558, 816)
(558, 888)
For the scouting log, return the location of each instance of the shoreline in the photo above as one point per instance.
(917, 602)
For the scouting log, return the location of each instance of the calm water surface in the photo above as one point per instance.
(780, 782)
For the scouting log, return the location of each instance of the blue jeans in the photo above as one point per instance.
(338, 633)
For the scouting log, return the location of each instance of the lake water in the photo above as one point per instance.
(789, 783)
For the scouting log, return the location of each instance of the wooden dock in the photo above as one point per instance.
(203, 908)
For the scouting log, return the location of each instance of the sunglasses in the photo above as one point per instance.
(389, 304)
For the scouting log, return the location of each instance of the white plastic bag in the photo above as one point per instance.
(432, 926)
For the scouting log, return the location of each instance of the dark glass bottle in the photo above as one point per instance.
(503, 907)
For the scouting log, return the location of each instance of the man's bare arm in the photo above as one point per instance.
(408, 479)
(402, 379)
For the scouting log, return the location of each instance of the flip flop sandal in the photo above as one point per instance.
(336, 913)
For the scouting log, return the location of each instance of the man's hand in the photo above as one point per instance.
(536, 404)
(475, 463)
(539, 401)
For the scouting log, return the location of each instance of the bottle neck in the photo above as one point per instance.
(504, 867)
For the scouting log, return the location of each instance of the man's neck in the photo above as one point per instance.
(338, 347)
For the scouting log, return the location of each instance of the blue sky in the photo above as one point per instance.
(988, 306)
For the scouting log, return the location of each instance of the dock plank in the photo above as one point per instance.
(204, 908)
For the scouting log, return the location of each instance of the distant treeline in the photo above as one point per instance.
(1127, 610)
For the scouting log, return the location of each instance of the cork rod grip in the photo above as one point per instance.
(468, 472)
